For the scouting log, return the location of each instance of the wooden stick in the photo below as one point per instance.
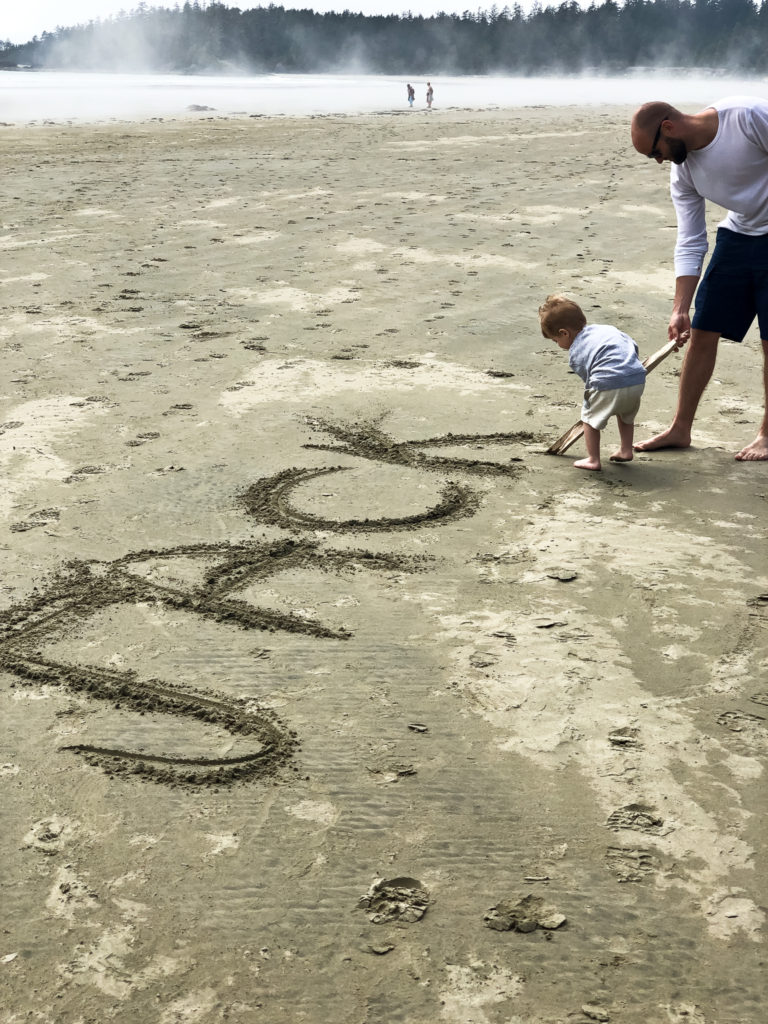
(562, 444)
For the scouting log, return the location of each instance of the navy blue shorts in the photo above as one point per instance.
(734, 289)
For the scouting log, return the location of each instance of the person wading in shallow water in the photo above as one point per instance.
(720, 154)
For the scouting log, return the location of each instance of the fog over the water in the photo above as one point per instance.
(62, 96)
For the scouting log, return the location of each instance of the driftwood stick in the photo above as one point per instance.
(563, 443)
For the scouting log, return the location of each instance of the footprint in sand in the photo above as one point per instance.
(42, 517)
(630, 864)
(395, 899)
(638, 817)
(47, 835)
(140, 439)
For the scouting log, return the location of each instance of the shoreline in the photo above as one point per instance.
(88, 97)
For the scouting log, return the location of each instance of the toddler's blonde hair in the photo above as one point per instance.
(558, 312)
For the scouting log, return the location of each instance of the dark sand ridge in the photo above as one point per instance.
(240, 686)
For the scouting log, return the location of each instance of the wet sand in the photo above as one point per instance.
(293, 601)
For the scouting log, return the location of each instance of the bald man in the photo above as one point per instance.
(720, 154)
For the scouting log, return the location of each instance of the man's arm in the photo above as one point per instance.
(690, 208)
(690, 250)
(679, 329)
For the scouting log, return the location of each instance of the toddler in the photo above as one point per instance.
(606, 359)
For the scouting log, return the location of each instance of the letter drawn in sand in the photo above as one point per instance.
(84, 589)
(267, 500)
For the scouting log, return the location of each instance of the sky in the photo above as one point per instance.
(20, 20)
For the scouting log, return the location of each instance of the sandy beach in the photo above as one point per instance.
(328, 695)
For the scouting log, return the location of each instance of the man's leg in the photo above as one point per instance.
(698, 367)
(758, 450)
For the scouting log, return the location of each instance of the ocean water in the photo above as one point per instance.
(27, 96)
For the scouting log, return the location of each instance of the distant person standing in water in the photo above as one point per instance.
(430, 95)
(411, 94)
(719, 154)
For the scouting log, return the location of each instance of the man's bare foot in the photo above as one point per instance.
(755, 452)
(622, 456)
(588, 464)
(673, 437)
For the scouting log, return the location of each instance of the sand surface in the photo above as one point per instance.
(292, 600)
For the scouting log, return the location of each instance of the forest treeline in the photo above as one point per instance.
(607, 37)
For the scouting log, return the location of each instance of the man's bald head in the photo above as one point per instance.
(647, 121)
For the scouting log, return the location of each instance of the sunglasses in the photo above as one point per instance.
(655, 154)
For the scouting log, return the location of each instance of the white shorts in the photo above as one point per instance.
(600, 406)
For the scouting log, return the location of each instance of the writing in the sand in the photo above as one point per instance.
(267, 743)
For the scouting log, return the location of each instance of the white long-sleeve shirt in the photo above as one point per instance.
(731, 171)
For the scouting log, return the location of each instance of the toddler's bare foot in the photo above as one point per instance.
(623, 456)
(593, 464)
(755, 452)
(673, 437)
